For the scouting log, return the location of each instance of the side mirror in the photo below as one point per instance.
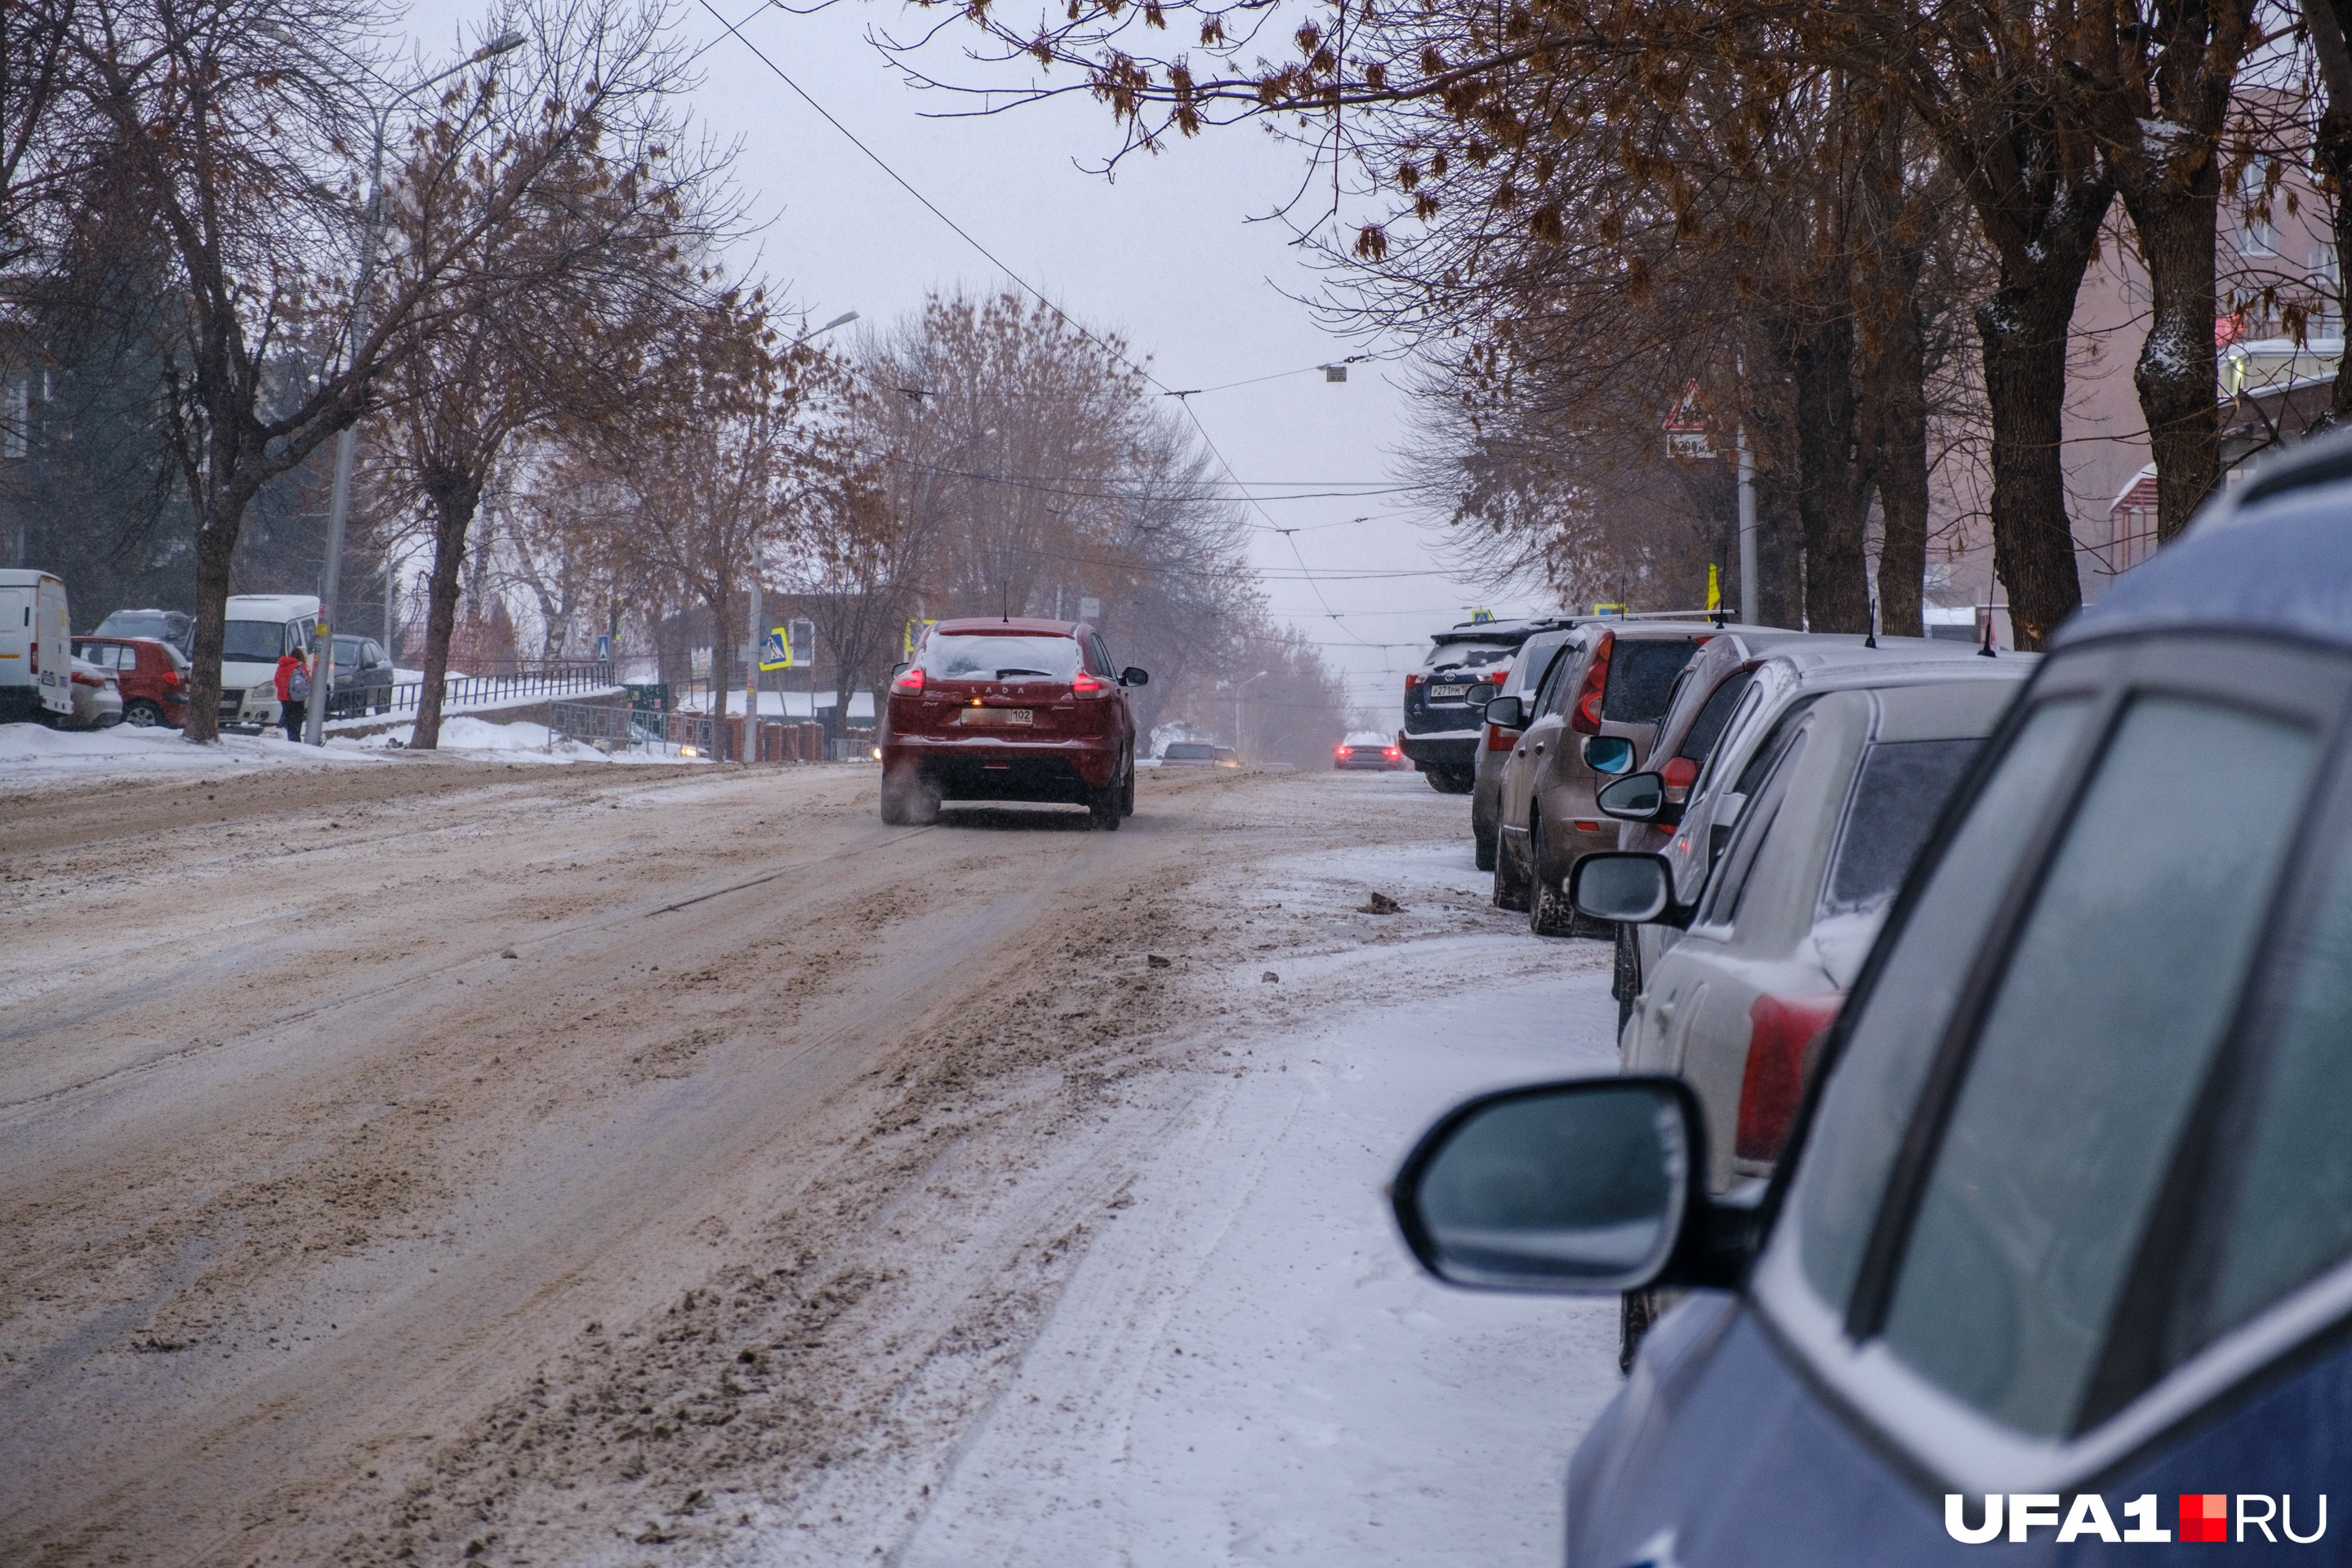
(1131, 676)
(1627, 889)
(1479, 695)
(1580, 1187)
(1607, 754)
(1507, 712)
(1636, 797)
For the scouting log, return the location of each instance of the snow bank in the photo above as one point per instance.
(518, 742)
(30, 753)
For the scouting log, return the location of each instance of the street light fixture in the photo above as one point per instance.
(339, 505)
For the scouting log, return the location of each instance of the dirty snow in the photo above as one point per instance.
(33, 752)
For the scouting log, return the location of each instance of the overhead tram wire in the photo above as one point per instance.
(1185, 400)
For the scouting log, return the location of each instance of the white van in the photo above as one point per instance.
(35, 633)
(262, 629)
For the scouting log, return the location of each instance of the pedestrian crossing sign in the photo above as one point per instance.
(776, 650)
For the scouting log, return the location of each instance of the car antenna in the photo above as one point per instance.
(1004, 604)
(1986, 650)
(1871, 639)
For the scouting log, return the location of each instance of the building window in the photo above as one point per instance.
(2327, 292)
(2257, 235)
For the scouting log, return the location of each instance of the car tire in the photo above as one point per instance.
(1510, 881)
(1482, 850)
(1445, 782)
(1548, 910)
(1102, 809)
(1126, 788)
(141, 714)
(1636, 1311)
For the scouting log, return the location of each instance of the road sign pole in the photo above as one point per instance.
(1747, 530)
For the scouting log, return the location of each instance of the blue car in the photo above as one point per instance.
(2058, 1267)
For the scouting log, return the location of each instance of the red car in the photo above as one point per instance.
(152, 675)
(996, 708)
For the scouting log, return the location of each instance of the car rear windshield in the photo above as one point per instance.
(989, 658)
(1901, 786)
(254, 642)
(1468, 655)
(1642, 676)
(133, 624)
(1189, 752)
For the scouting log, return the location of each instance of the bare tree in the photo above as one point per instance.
(552, 318)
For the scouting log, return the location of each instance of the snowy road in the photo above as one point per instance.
(441, 1163)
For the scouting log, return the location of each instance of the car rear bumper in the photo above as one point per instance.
(1453, 752)
(997, 769)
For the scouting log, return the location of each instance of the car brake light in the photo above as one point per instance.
(1584, 714)
(1344, 750)
(1393, 753)
(1085, 685)
(1412, 681)
(1781, 1030)
(1680, 772)
(910, 681)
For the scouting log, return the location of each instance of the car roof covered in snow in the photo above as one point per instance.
(998, 626)
(2274, 553)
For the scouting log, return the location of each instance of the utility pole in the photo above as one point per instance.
(1746, 528)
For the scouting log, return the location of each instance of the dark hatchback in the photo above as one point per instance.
(1443, 697)
(2061, 1254)
(1005, 710)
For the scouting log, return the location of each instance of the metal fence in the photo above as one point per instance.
(609, 729)
(554, 678)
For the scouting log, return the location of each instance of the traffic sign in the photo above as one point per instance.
(775, 653)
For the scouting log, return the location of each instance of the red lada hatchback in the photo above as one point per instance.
(1005, 710)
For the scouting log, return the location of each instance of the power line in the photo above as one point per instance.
(1184, 398)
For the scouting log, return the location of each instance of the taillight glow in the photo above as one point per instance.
(1085, 685)
(1680, 772)
(913, 681)
(1500, 739)
(1780, 1029)
(1412, 681)
(1393, 753)
(1344, 750)
(1584, 715)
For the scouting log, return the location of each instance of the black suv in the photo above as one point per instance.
(1441, 724)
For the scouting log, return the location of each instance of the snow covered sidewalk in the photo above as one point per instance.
(1248, 1367)
(33, 753)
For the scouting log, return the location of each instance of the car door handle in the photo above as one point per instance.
(1539, 751)
(1520, 753)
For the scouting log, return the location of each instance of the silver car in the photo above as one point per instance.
(97, 699)
(1528, 667)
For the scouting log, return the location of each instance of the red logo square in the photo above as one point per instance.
(2204, 1515)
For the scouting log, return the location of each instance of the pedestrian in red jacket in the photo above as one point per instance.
(293, 692)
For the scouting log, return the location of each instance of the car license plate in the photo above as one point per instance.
(1446, 693)
(997, 716)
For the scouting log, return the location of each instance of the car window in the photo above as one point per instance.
(1189, 752)
(2130, 960)
(1755, 824)
(1707, 728)
(2289, 1214)
(992, 657)
(1641, 675)
(253, 642)
(1565, 672)
(1866, 1105)
(1534, 663)
(1898, 792)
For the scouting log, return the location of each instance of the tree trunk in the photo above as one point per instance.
(1895, 422)
(216, 545)
(2023, 330)
(2175, 373)
(1837, 584)
(2332, 151)
(1780, 563)
(722, 671)
(454, 499)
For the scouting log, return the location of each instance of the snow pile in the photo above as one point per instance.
(521, 740)
(32, 752)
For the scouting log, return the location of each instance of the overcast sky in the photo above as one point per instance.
(1165, 254)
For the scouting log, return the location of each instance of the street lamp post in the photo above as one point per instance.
(1238, 689)
(339, 502)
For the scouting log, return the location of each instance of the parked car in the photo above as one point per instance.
(362, 678)
(1198, 754)
(172, 627)
(1528, 667)
(97, 702)
(2061, 1242)
(1369, 749)
(1007, 710)
(1593, 717)
(1442, 727)
(36, 671)
(1700, 799)
(262, 629)
(150, 675)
